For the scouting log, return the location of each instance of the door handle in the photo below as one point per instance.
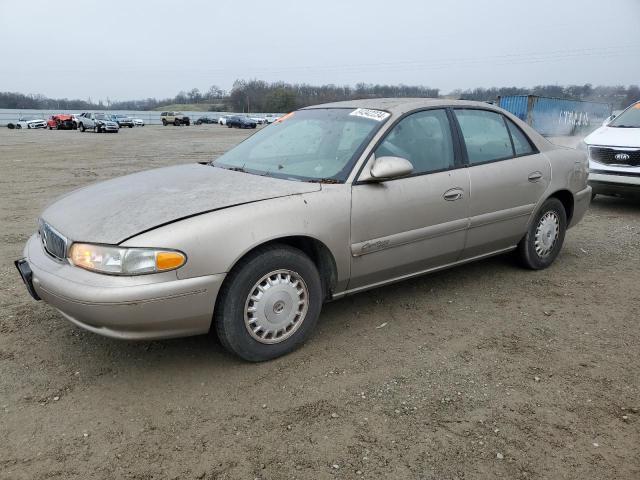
(453, 194)
(535, 176)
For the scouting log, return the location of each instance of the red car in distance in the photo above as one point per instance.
(61, 122)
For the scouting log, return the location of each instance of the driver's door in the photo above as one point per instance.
(409, 225)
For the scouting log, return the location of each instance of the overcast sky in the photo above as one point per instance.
(125, 49)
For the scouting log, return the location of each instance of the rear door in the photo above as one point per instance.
(408, 225)
(507, 177)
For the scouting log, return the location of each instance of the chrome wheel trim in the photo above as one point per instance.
(547, 233)
(276, 306)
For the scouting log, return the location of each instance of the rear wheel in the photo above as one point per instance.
(269, 303)
(543, 241)
(164, 122)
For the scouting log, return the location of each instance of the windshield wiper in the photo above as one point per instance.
(625, 126)
(323, 180)
(233, 169)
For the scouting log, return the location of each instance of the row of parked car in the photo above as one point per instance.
(104, 122)
(238, 121)
(99, 122)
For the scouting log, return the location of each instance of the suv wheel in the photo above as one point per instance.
(164, 122)
(81, 127)
(543, 241)
(269, 303)
(176, 122)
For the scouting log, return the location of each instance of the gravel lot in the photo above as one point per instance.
(482, 371)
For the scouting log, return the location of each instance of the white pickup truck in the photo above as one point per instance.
(98, 122)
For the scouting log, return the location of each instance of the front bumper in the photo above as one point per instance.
(143, 307)
(615, 183)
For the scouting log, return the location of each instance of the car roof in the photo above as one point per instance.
(402, 105)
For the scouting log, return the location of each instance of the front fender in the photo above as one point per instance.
(215, 241)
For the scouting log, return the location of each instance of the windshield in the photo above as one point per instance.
(630, 118)
(101, 116)
(316, 144)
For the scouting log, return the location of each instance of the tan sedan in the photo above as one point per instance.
(327, 201)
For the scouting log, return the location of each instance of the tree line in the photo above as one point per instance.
(261, 96)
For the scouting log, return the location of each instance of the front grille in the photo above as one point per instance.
(54, 243)
(611, 156)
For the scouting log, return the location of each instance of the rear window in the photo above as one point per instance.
(521, 143)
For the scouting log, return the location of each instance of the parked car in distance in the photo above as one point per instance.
(61, 122)
(270, 118)
(174, 118)
(223, 119)
(207, 120)
(98, 122)
(27, 123)
(259, 120)
(240, 121)
(122, 120)
(614, 155)
(329, 201)
(138, 122)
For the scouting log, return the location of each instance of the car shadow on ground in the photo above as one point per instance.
(616, 205)
(206, 351)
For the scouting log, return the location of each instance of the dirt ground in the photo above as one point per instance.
(483, 371)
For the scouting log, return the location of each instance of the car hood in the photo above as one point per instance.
(615, 137)
(115, 210)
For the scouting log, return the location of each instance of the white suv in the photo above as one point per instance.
(614, 155)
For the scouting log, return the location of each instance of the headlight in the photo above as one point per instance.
(124, 261)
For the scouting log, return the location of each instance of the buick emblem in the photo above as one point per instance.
(622, 157)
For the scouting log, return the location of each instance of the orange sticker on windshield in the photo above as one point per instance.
(637, 105)
(288, 115)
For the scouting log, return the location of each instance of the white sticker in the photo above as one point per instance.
(377, 115)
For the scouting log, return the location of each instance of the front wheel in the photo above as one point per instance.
(82, 127)
(545, 236)
(269, 303)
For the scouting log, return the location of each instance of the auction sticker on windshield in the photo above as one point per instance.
(377, 115)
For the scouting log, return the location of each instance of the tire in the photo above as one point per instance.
(130, 126)
(293, 272)
(543, 241)
(82, 127)
(164, 122)
(176, 122)
(18, 126)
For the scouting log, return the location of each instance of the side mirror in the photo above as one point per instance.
(387, 168)
(608, 120)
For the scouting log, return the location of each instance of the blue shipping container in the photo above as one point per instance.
(556, 116)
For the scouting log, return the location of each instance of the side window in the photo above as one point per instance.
(521, 143)
(424, 139)
(485, 135)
